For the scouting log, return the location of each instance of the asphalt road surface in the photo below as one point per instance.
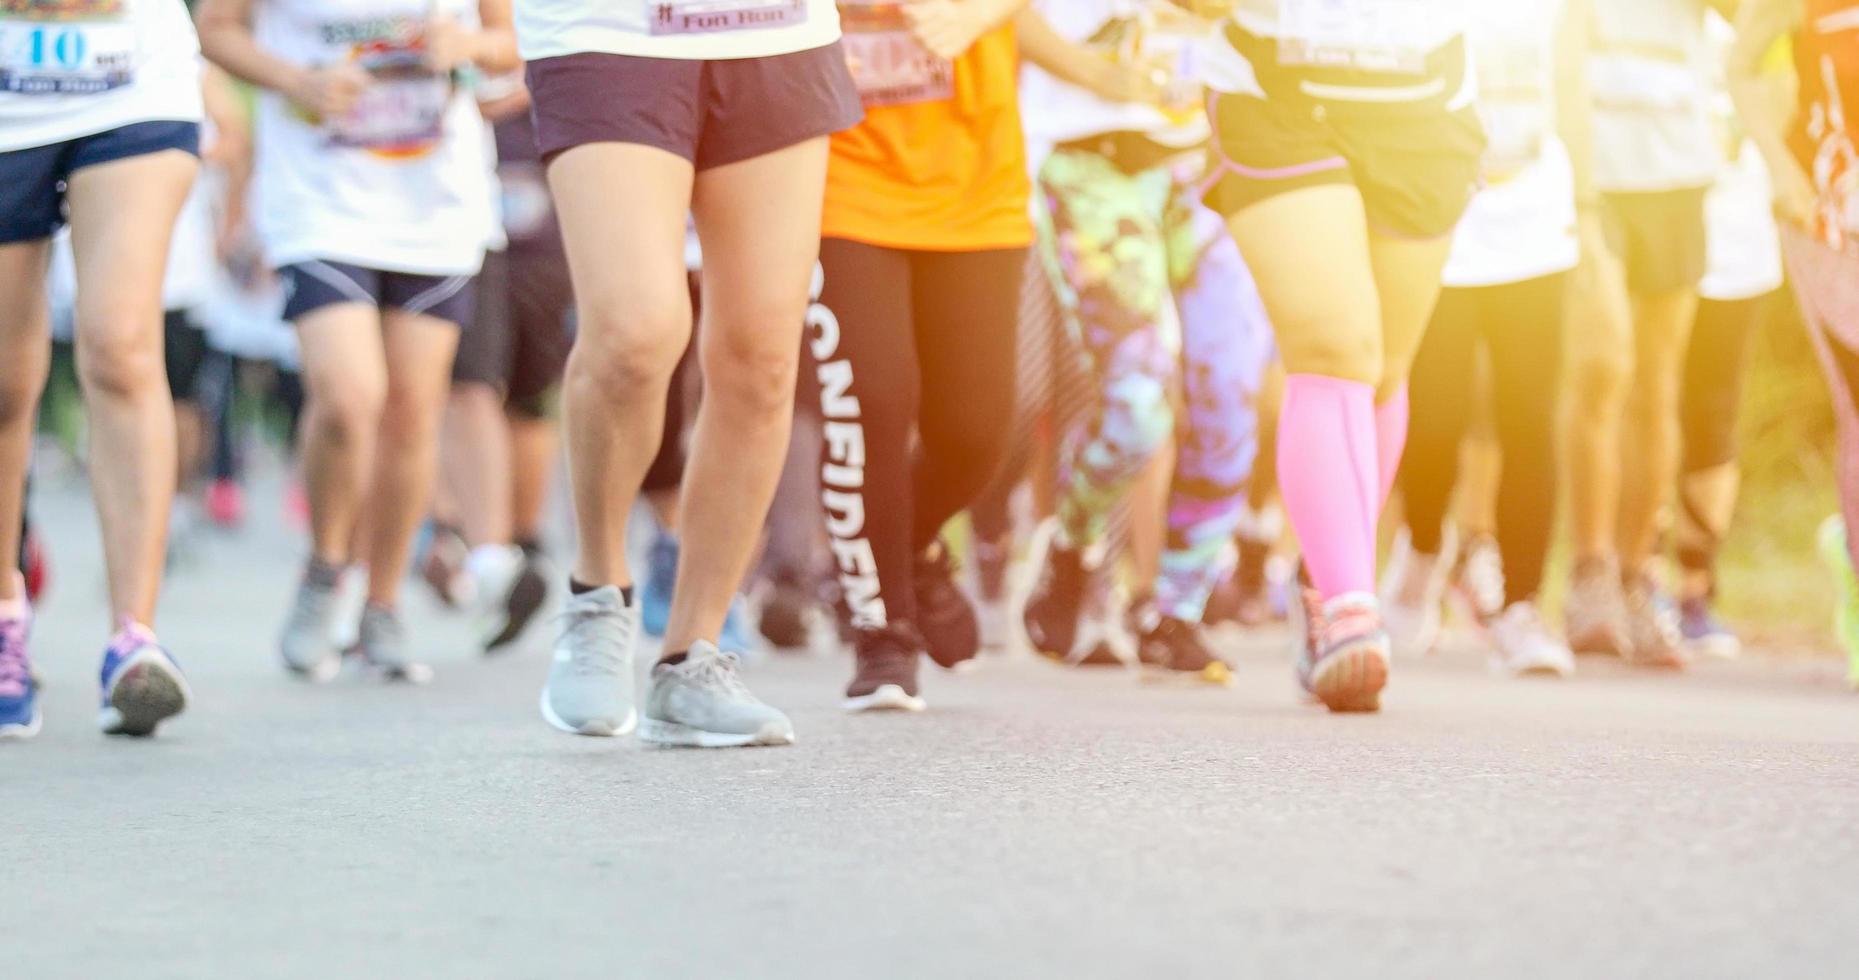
(1034, 823)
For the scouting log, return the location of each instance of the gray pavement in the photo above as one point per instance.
(1034, 823)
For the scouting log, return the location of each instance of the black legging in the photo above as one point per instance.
(1716, 364)
(914, 354)
(1520, 325)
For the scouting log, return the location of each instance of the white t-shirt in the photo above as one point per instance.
(1521, 226)
(1740, 237)
(692, 30)
(1056, 112)
(1651, 73)
(403, 182)
(71, 68)
(1374, 35)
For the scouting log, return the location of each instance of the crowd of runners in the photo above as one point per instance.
(921, 327)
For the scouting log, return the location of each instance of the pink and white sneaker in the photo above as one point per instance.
(1344, 661)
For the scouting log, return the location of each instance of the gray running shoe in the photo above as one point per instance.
(1653, 619)
(308, 648)
(383, 646)
(1595, 610)
(590, 686)
(701, 702)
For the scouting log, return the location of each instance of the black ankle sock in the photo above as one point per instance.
(576, 587)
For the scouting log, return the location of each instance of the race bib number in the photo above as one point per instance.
(718, 16)
(1387, 36)
(402, 112)
(65, 47)
(890, 66)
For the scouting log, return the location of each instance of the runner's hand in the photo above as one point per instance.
(330, 92)
(1796, 200)
(947, 28)
(448, 45)
(1116, 81)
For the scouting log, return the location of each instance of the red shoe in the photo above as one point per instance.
(38, 569)
(226, 504)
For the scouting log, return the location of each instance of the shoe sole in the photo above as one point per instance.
(147, 691)
(19, 733)
(669, 733)
(1350, 681)
(1715, 647)
(888, 697)
(323, 672)
(597, 728)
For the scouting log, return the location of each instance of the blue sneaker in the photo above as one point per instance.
(142, 685)
(19, 691)
(655, 598)
(1705, 634)
(660, 578)
(737, 637)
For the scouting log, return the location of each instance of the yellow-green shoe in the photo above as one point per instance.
(1846, 614)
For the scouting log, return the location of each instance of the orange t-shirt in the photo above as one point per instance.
(948, 175)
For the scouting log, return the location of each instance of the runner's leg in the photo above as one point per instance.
(122, 215)
(345, 379)
(25, 347)
(760, 225)
(625, 240)
(419, 349)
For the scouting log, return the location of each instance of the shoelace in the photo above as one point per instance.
(717, 670)
(14, 675)
(598, 638)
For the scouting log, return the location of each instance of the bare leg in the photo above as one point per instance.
(760, 224)
(1148, 514)
(1599, 361)
(123, 214)
(419, 370)
(26, 350)
(345, 374)
(622, 208)
(1651, 443)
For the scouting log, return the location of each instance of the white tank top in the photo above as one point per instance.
(1367, 35)
(402, 183)
(698, 30)
(70, 68)
(1651, 75)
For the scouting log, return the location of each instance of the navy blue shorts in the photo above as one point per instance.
(712, 113)
(310, 286)
(32, 180)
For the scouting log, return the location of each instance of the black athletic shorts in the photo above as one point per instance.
(1658, 237)
(711, 113)
(32, 180)
(519, 341)
(310, 286)
(1415, 161)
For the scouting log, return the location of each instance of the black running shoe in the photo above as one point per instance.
(787, 611)
(946, 618)
(527, 595)
(886, 676)
(1174, 650)
(1057, 603)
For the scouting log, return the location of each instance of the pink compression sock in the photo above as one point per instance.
(1329, 478)
(1390, 441)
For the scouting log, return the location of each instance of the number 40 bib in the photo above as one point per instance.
(66, 47)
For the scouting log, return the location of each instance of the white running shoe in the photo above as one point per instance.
(1522, 645)
(1412, 591)
(591, 686)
